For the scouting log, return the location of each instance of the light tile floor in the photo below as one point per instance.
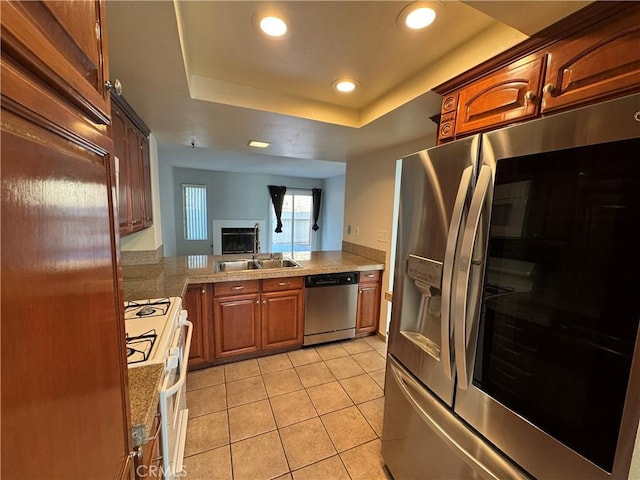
(314, 413)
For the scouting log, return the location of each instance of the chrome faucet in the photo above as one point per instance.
(256, 240)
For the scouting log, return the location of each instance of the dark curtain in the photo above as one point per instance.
(317, 195)
(277, 197)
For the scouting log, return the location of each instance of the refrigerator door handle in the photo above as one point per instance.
(463, 341)
(447, 272)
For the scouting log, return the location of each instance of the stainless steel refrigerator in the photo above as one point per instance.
(513, 343)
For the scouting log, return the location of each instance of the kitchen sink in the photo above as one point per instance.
(236, 265)
(242, 265)
(278, 263)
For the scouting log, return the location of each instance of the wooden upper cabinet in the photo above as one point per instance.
(65, 406)
(508, 95)
(63, 43)
(135, 177)
(594, 64)
(146, 182)
(119, 135)
(131, 146)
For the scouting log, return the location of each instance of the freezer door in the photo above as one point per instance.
(423, 439)
(436, 186)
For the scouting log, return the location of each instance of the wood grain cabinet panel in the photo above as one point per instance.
(508, 95)
(65, 406)
(134, 181)
(282, 319)
(197, 302)
(598, 63)
(368, 309)
(237, 324)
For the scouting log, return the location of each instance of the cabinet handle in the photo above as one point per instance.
(549, 89)
(530, 96)
(115, 87)
(237, 287)
(370, 275)
(282, 284)
(264, 302)
(136, 222)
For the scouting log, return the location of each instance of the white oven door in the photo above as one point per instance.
(173, 404)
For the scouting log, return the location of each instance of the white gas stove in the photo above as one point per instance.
(149, 326)
(158, 332)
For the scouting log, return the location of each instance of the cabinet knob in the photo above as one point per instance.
(203, 291)
(549, 89)
(530, 96)
(115, 87)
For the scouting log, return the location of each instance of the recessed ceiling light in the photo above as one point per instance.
(345, 86)
(418, 15)
(273, 26)
(258, 144)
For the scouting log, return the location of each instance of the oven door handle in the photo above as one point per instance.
(166, 390)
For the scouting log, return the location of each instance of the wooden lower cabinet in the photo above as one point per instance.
(282, 319)
(148, 461)
(236, 320)
(368, 310)
(196, 302)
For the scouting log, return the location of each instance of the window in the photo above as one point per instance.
(297, 210)
(194, 201)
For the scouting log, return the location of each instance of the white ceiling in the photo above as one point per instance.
(200, 71)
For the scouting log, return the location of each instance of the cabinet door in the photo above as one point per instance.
(601, 62)
(368, 308)
(146, 181)
(135, 177)
(508, 95)
(282, 319)
(236, 320)
(64, 402)
(196, 303)
(119, 135)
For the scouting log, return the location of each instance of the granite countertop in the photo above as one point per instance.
(143, 400)
(170, 277)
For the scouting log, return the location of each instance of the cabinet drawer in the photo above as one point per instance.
(233, 288)
(278, 284)
(371, 276)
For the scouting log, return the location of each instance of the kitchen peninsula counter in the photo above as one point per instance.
(170, 277)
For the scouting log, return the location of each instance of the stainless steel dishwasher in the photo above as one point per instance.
(330, 307)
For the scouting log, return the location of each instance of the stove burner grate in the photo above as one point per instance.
(147, 309)
(139, 347)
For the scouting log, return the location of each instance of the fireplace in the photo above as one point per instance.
(236, 236)
(238, 240)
